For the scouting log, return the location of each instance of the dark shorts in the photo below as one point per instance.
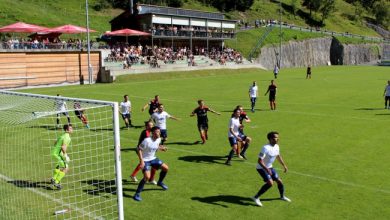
(124, 116)
(253, 99)
(156, 163)
(79, 114)
(265, 175)
(203, 126)
(164, 133)
(232, 141)
(242, 136)
(272, 98)
(387, 98)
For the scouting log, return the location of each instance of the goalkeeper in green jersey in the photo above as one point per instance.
(59, 154)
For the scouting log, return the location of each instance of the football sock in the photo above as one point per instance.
(55, 174)
(136, 170)
(84, 120)
(162, 176)
(68, 119)
(60, 175)
(246, 145)
(281, 189)
(140, 186)
(231, 155)
(262, 190)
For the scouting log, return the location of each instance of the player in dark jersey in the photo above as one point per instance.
(201, 113)
(272, 95)
(241, 150)
(153, 105)
(80, 113)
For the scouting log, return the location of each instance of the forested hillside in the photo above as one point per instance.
(337, 15)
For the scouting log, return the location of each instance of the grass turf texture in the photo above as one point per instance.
(333, 136)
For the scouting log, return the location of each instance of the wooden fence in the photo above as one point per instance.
(20, 69)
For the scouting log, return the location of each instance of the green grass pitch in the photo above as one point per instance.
(334, 137)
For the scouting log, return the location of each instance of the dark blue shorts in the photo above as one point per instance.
(265, 175)
(124, 116)
(253, 99)
(232, 141)
(156, 163)
(164, 133)
(242, 135)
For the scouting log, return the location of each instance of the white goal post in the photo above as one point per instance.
(36, 185)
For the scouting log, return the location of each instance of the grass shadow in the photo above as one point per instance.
(47, 127)
(368, 109)
(100, 129)
(217, 200)
(182, 143)
(100, 187)
(31, 184)
(204, 159)
(128, 149)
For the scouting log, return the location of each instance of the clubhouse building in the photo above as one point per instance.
(175, 27)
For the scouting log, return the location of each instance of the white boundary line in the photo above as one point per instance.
(303, 174)
(59, 201)
(298, 173)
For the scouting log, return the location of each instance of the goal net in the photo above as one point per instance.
(30, 184)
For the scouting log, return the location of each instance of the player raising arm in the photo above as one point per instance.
(160, 120)
(201, 113)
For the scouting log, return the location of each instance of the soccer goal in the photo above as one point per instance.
(29, 127)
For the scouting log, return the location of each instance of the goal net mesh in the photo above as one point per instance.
(29, 127)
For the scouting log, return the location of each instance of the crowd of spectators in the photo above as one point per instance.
(194, 31)
(147, 55)
(15, 43)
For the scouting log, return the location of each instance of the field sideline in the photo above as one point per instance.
(334, 137)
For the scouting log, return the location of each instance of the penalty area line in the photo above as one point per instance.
(59, 201)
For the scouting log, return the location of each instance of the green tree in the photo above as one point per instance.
(326, 9)
(382, 13)
(295, 6)
(312, 5)
(359, 10)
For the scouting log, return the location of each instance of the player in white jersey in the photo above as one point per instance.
(160, 120)
(125, 110)
(253, 93)
(386, 94)
(61, 108)
(147, 159)
(267, 156)
(234, 134)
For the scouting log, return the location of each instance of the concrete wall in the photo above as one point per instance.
(319, 51)
(19, 69)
